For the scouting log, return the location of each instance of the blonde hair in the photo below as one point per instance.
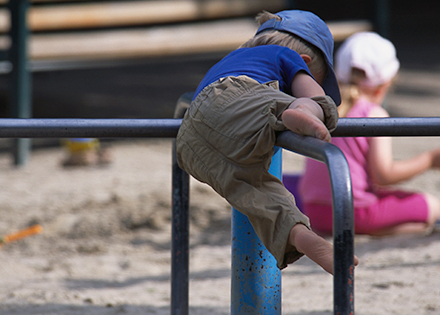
(350, 92)
(317, 66)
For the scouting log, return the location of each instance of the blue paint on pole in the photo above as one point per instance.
(256, 279)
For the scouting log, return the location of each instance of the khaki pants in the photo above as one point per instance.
(226, 140)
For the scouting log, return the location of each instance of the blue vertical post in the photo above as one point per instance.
(20, 98)
(256, 279)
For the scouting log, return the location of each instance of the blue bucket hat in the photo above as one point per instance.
(312, 29)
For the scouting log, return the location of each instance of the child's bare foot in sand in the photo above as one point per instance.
(314, 247)
(304, 116)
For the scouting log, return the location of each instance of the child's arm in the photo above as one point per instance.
(382, 167)
(303, 85)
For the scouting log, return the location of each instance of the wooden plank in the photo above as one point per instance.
(53, 1)
(157, 41)
(343, 29)
(207, 37)
(123, 13)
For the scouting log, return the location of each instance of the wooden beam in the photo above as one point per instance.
(157, 41)
(123, 13)
(343, 29)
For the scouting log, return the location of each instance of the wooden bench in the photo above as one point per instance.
(127, 29)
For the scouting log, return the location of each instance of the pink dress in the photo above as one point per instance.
(374, 209)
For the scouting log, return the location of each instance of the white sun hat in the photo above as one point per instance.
(369, 52)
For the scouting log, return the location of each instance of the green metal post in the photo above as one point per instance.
(290, 4)
(382, 17)
(20, 96)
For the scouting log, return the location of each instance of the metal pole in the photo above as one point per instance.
(382, 17)
(290, 4)
(390, 127)
(180, 227)
(167, 128)
(20, 98)
(88, 128)
(180, 241)
(343, 235)
(343, 222)
(255, 277)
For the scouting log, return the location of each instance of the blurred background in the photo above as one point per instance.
(119, 59)
(134, 59)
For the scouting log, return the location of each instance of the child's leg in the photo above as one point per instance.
(398, 212)
(305, 117)
(433, 209)
(433, 205)
(313, 246)
(405, 228)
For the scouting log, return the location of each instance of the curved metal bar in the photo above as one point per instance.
(343, 224)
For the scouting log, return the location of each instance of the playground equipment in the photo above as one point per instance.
(116, 128)
(167, 128)
(24, 129)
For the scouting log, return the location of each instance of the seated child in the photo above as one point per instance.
(366, 67)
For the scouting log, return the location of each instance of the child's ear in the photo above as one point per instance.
(307, 59)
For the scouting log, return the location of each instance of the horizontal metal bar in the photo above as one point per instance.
(88, 128)
(167, 128)
(393, 127)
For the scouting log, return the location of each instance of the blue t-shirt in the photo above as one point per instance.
(261, 63)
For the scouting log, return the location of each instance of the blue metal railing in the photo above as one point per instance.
(88, 128)
(167, 128)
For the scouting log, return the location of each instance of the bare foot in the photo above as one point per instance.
(302, 121)
(314, 247)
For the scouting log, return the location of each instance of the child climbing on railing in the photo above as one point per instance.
(366, 65)
(280, 79)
